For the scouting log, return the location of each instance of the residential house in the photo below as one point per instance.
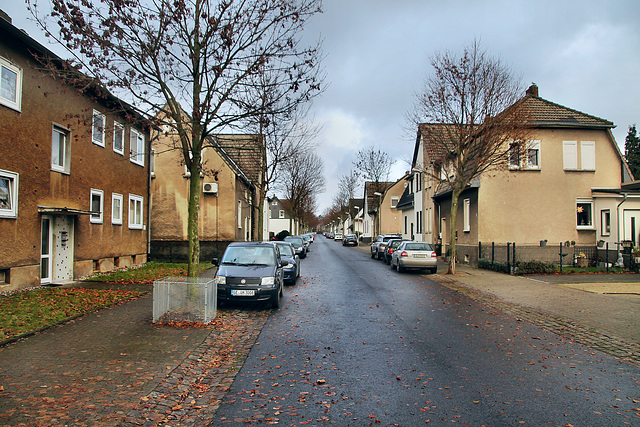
(74, 171)
(380, 213)
(542, 198)
(353, 222)
(280, 217)
(228, 203)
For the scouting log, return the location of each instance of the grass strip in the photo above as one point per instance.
(29, 311)
(146, 274)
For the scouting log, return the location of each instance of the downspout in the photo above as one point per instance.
(619, 223)
(149, 195)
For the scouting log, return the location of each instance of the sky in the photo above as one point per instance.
(583, 54)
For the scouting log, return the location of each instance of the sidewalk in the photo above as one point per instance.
(598, 310)
(115, 367)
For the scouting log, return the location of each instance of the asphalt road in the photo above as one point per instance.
(356, 343)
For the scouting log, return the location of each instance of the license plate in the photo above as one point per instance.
(419, 256)
(243, 292)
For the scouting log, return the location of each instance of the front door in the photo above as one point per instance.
(56, 250)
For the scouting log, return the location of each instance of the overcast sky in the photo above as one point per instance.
(582, 54)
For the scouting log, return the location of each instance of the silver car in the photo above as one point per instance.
(414, 255)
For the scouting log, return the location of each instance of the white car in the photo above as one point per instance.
(337, 236)
(414, 255)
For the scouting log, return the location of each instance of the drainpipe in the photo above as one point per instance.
(619, 223)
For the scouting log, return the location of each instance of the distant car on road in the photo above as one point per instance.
(414, 255)
(337, 237)
(250, 271)
(350, 240)
(376, 246)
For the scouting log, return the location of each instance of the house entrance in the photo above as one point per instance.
(631, 225)
(56, 259)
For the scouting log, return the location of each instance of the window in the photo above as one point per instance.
(466, 215)
(97, 204)
(10, 85)
(605, 222)
(584, 209)
(152, 163)
(588, 155)
(533, 155)
(8, 194)
(136, 144)
(60, 149)
(116, 209)
(514, 155)
(97, 132)
(135, 212)
(118, 138)
(280, 213)
(239, 214)
(394, 201)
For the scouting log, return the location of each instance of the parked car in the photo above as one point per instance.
(292, 269)
(350, 239)
(389, 247)
(414, 255)
(250, 271)
(298, 245)
(337, 237)
(329, 235)
(376, 246)
(307, 241)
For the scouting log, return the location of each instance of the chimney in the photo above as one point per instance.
(533, 90)
(5, 16)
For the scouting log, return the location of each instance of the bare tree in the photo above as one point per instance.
(195, 62)
(347, 186)
(373, 165)
(302, 180)
(470, 104)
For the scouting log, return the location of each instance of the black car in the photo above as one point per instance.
(250, 271)
(389, 248)
(298, 245)
(292, 269)
(350, 239)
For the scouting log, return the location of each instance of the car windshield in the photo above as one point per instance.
(294, 240)
(418, 247)
(249, 255)
(286, 250)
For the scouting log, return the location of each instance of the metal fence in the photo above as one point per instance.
(190, 299)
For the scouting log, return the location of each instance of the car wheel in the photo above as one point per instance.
(372, 255)
(391, 264)
(275, 302)
(400, 268)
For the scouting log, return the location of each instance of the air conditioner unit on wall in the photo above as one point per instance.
(210, 188)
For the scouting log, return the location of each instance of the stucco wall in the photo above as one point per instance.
(531, 205)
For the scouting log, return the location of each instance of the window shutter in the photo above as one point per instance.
(570, 155)
(588, 155)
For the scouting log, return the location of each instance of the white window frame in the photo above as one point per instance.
(137, 203)
(588, 202)
(467, 215)
(9, 209)
(152, 163)
(534, 146)
(239, 214)
(116, 208)
(137, 146)
(97, 134)
(570, 155)
(99, 218)
(66, 157)
(16, 102)
(588, 155)
(281, 214)
(605, 222)
(118, 129)
(394, 201)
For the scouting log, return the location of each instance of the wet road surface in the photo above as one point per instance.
(356, 343)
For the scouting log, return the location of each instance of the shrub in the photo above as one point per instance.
(535, 267)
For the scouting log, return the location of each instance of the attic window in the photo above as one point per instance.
(394, 201)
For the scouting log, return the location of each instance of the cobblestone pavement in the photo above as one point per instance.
(192, 392)
(591, 337)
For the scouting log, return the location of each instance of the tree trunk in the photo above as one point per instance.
(455, 195)
(193, 234)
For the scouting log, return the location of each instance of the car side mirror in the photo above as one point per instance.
(215, 261)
